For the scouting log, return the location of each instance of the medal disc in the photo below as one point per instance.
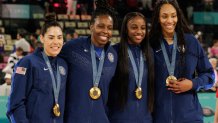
(170, 78)
(56, 110)
(94, 93)
(138, 93)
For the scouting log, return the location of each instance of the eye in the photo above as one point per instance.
(174, 16)
(60, 37)
(110, 28)
(143, 28)
(164, 16)
(101, 26)
(51, 38)
(134, 27)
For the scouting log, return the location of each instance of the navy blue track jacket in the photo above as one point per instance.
(135, 111)
(183, 107)
(32, 98)
(80, 108)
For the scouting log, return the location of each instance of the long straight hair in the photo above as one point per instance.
(181, 28)
(121, 78)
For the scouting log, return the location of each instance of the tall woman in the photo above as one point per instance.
(92, 62)
(132, 90)
(39, 79)
(181, 66)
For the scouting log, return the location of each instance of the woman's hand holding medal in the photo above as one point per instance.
(179, 86)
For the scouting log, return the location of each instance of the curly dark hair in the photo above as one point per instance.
(103, 8)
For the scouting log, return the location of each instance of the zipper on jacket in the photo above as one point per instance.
(137, 103)
(90, 117)
(171, 107)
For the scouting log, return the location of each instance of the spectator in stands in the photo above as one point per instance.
(5, 89)
(133, 82)
(213, 51)
(71, 7)
(213, 62)
(178, 56)
(12, 60)
(92, 63)
(38, 83)
(34, 42)
(23, 43)
(71, 34)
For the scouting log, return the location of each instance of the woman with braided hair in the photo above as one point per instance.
(181, 66)
(92, 62)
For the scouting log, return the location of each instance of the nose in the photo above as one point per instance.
(140, 31)
(169, 19)
(105, 30)
(57, 41)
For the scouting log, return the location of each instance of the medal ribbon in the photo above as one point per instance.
(138, 73)
(56, 85)
(170, 67)
(96, 71)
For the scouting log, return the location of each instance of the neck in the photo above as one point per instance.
(132, 43)
(97, 44)
(47, 54)
(168, 38)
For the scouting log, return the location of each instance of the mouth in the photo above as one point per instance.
(105, 38)
(169, 27)
(139, 37)
(55, 47)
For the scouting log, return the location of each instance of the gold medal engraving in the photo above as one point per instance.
(170, 78)
(94, 93)
(56, 110)
(138, 93)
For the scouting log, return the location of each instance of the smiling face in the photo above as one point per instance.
(168, 20)
(101, 30)
(52, 41)
(136, 28)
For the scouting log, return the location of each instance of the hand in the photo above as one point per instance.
(180, 86)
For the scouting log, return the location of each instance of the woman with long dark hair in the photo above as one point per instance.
(131, 94)
(181, 66)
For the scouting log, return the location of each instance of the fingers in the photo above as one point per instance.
(175, 87)
(180, 86)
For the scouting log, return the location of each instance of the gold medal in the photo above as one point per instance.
(138, 93)
(56, 110)
(171, 77)
(94, 93)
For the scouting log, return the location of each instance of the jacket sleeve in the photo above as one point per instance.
(205, 74)
(21, 86)
(66, 51)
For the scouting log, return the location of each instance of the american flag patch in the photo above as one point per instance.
(21, 70)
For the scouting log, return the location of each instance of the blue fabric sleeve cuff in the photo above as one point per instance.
(194, 84)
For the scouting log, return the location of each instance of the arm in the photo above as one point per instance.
(205, 78)
(21, 84)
